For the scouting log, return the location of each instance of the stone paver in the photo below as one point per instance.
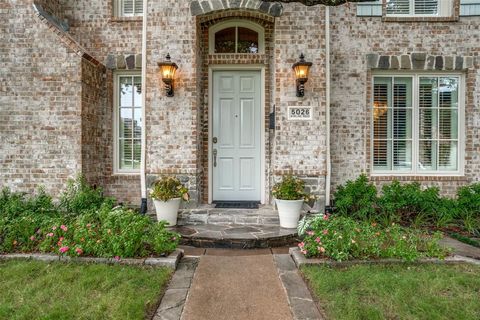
(173, 301)
(461, 249)
(236, 288)
(301, 302)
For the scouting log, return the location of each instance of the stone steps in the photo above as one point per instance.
(262, 216)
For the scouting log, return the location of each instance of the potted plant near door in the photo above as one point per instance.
(290, 195)
(167, 193)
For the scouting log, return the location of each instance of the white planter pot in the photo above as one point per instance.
(167, 210)
(289, 212)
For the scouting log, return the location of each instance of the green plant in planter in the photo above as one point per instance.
(291, 188)
(169, 188)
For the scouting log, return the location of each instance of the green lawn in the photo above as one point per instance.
(38, 290)
(397, 291)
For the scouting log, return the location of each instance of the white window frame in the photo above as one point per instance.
(118, 9)
(236, 24)
(415, 119)
(116, 124)
(445, 9)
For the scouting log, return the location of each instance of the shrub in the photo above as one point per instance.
(343, 238)
(169, 188)
(469, 207)
(357, 199)
(79, 197)
(291, 188)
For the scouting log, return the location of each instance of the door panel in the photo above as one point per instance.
(236, 125)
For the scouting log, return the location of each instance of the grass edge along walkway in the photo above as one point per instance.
(35, 289)
(400, 291)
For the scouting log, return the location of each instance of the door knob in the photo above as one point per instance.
(215, 140)
(215, 157)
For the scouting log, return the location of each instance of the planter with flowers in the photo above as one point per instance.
(290, 195)
(167, 193)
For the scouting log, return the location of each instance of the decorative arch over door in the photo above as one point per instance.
(236, 36)
(200, 7)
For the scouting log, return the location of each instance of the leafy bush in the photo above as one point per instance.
(469, 207)
(357, 199)
(342, 238)
(169, 188)
(79, 197)
(87, 225)
(291, 188)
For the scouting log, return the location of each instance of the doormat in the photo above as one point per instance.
(236, 204)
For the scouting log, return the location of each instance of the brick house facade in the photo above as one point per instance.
(63, 60)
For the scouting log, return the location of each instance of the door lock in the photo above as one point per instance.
(215, 140)
(215, 157)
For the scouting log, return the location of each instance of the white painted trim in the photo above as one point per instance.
(237, 67)
(236, 23)
(461, 124)
(328, 178)
(445, 9)
(143, 156)
(115, 135)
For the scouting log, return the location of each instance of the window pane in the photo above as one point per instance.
(225, 40)
(138, 6)
(137, 91)
(126, 98)
(428, 93)
(427, 158)
(448, 124)
(380, 155)
(448, 93)
(247, 41)
(426, 6)
(398, 6)
(381, 98)
(402, 155)
(125, 123)
(127, 7)
(402, 123)
(137, 153)
(125, 148)
(427, 122)
(137, 123)
(447, 155)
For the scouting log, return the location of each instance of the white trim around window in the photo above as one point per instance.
(413, 126)
(128, 8)
(127, 122)
(419, 8)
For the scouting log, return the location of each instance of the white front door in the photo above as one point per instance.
(236, 143)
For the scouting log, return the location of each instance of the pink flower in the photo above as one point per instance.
(325, 217)
(64, 228)
(61, 238)
(50, 234)
(321, 249)
(63, 249)
(79, 251)
(117, 258)
(54, 228)
(325, 231)
(32, 238)
(310, 233)
(317, 240)
(174, 238)
(303, 251)
(301, 245)
(89, 225)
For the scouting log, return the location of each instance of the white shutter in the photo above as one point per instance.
(426, 7)
(398, 6)
(127, 7)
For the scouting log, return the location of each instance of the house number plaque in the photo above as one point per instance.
(300, 113)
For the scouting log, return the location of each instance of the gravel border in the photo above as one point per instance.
(170, 261)
(300, 260)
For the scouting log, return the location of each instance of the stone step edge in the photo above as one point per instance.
(171, 261)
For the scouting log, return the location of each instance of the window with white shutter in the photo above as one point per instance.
(128, 122)
(129, 8)
(426, 8)
(416, 124)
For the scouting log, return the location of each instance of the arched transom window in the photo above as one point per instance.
(236, 36)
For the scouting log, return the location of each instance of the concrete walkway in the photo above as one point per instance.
(234, 287)
(460, 248)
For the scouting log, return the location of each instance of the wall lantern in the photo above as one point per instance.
(168, 69)
(301, 69)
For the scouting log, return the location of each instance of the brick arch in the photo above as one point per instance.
(201, 7)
